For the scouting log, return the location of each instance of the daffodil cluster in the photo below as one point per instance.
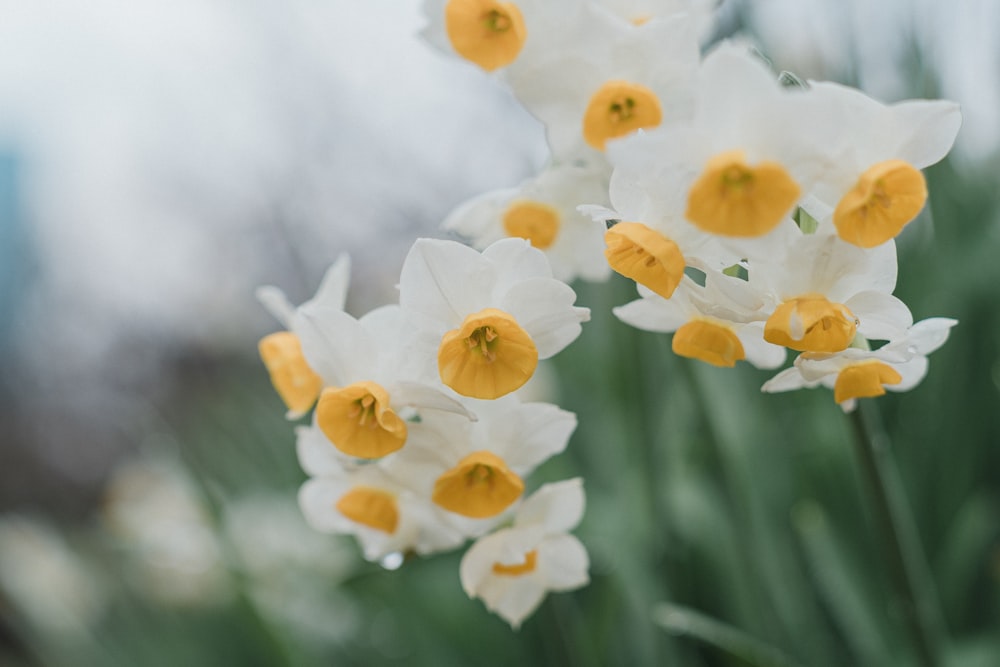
(419, 438)
(754, 216)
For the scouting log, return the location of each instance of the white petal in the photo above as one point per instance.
(926, 130)
(334, 344)
(563, 562)
(912, 372)
(481, 218)
(758, 351)
(557, 506)
(332, 292)
(276, 303)
(318, 457)
(424, 397)
(880, 316)
(529, 434)
(789, 379)
(930, 334)
(444, 281)
(544, 308)
(515, 260)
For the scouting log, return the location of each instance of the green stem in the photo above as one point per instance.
(899, 540)
(684, 621)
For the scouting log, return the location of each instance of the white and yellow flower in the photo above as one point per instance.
(493, 314)
(543, 210)
(476, 470)
(512, 569)
(856, 373)
(297, 384)
(720, 323)
(827, 291)
(611, 81)
(371, 370)
(385, 515)
(872, 186)
(740, 163)
(496, 35)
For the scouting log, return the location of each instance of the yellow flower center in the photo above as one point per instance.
(710, 342)
(529, 564)
(732, 198)
(485, 32)
(296, 383)
(619, 108)
(535, 221)
(811, 323)
(480, 486)
(864, 380)
(886, 197)
(646, 256)
(489, 356)
(359, 422)
(374, 508)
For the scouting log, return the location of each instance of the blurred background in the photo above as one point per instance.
(159, 160)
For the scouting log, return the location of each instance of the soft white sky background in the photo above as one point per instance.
(175, 154)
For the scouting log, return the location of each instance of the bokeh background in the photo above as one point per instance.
(159, 160)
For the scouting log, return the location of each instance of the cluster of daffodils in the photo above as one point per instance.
(420, 439)
(755, 217)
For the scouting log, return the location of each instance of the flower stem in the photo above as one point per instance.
(684, 621)
(900, 542)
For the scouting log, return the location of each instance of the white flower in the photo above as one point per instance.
(740, 163)
(384, 515)
(371, 370)
(827, 291)
(476, 470)
(512, 569)
(544, 211)
(497, 35)
(609, 82)
(872, 185)
(493, 314)
(296, 383)
(720, 323)
(856, 373)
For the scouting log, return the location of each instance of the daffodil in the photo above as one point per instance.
(498, 35)
(609, 82)
(856, 373)
(872, 185)
(827, 291)
(371, 369)
(512, 569)
(719, 323)
(296, 382)
(476, 470)
(383, 514)
(493, 314)
(543, 210)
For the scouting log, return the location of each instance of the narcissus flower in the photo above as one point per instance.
(296, 383)
(371, 370)
(383, 514)
(611, 81)
(543, 210)
(859, 373)
(739, 164)
(872, 186)
(496, 34)
(720, 323)
(476, 471)
(512, 569)
(494, 314)
(828, 291)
